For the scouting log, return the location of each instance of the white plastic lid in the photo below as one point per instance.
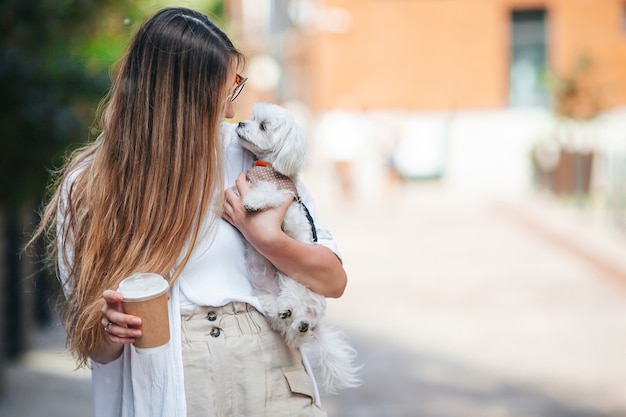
(143, 286)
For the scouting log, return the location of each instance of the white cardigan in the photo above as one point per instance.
(137, 385)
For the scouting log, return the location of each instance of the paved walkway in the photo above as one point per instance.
(459, 305)
(469, 305)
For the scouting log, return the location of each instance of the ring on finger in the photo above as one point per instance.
(106, 328)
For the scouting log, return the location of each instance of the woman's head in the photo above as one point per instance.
(134, 200)
(178, 59)
(174, 77)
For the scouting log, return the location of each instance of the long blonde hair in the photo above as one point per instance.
(133, 200)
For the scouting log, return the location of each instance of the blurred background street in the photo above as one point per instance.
(460, 304)
(475, 305)
(468, 155)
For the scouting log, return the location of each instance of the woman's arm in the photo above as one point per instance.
(315, 266)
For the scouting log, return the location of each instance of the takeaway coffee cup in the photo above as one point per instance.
(145, 296)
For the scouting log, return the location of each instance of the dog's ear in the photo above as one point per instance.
(291, 154)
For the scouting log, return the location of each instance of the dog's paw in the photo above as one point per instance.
(298, 333)
(286, 316)
(264, 195)
(254, 203)
(303, 326)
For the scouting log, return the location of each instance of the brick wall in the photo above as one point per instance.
(429, 55)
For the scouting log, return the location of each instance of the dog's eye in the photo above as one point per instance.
(262, 126)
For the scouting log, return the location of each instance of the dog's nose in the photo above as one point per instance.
(241, 124)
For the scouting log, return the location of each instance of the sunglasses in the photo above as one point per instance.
(240, 81)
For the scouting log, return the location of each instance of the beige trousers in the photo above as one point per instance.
(236, 366)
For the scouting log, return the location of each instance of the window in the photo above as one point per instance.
(528, 58)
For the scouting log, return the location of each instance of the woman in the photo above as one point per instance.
(148, 195)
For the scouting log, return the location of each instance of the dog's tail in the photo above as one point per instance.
(332, 358)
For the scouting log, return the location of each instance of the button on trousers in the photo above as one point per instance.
(235, 365)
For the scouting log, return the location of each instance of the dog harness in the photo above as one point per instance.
(263, 171)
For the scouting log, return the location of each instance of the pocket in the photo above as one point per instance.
(299, 381)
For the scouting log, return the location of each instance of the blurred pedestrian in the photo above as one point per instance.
(148, 196)
(343, 136)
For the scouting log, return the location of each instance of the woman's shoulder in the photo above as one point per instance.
(74, 171)
(228, 135)
(237, 159)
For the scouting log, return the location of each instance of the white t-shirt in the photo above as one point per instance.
(216, 272)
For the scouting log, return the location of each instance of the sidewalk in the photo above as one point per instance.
(459, 305)
(44, 383)
(480, 305)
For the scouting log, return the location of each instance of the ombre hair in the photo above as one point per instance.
(134, 199)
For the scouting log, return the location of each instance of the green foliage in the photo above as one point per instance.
(45, 91)
(55, 57)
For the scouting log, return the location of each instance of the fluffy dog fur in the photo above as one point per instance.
(292, 309)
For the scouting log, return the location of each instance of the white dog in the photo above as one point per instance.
(292, 309)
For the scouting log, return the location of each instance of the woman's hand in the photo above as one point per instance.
(117, 325)
(262, 228)
(118, 328)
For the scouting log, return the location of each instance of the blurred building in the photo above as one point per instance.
(435, 55)
(460, 90)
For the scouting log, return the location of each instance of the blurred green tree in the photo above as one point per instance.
(54, 61)
(47, 90)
